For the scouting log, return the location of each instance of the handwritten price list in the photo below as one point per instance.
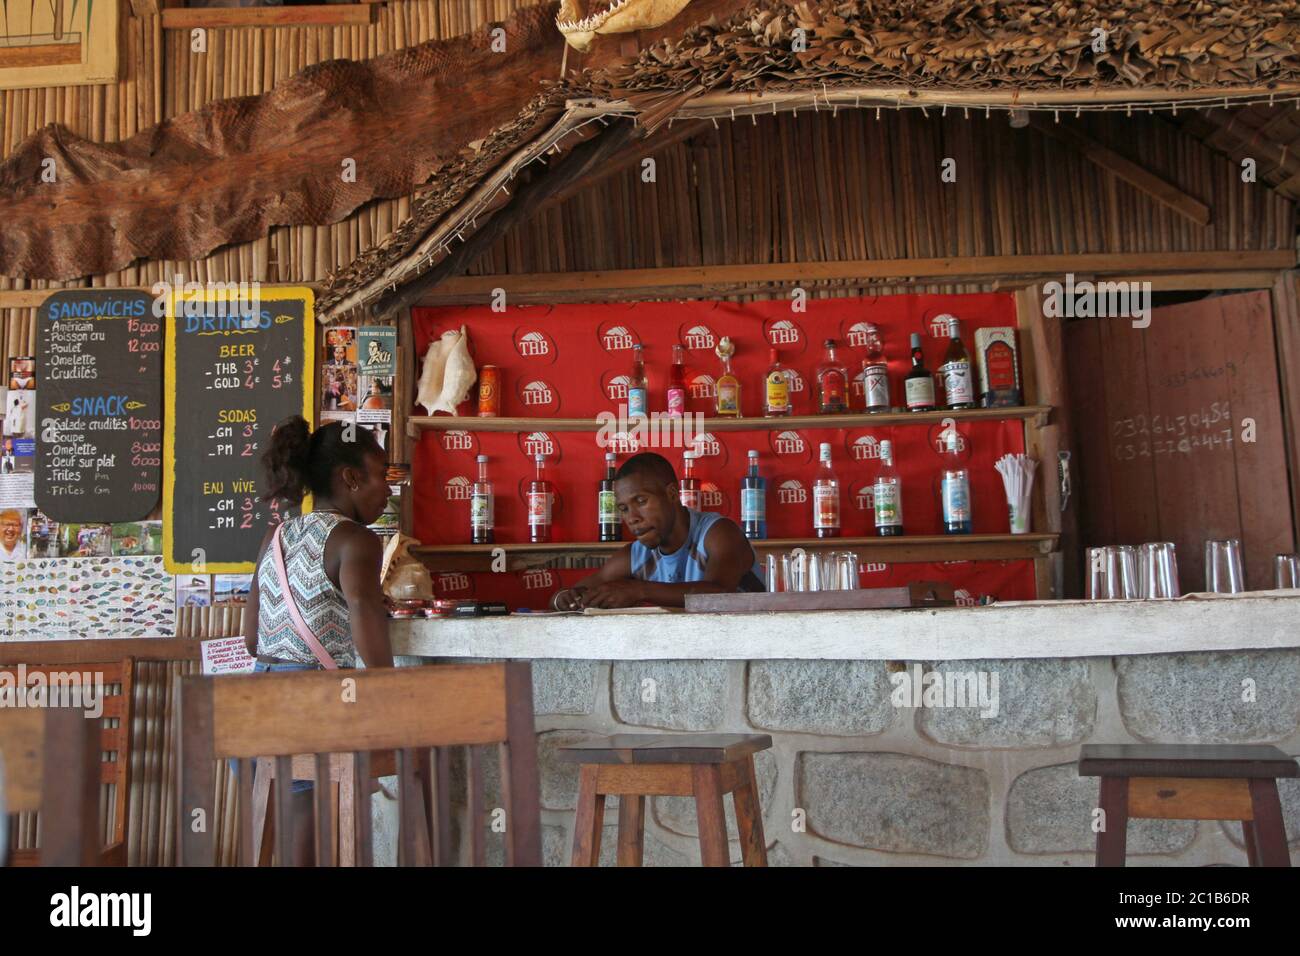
(239, 371)
(99, 428)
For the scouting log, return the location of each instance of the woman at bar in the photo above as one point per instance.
(332, 613)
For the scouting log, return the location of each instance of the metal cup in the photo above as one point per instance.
(1286, 571)
(1223, 570)
(1158, 571)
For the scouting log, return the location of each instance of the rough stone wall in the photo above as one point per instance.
(854, 780)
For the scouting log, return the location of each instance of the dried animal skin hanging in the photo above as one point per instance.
(458, 377)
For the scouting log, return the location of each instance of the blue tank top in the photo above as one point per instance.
(688, 562)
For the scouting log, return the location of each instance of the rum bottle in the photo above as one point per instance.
(541, 503)
(776, 388)
(728, 386)
(954, 488)
(481, 506)
(832, 383)
(958, 387)
(887, 495)
(606, 506)
(826, 498)
(677, 384)
(753, 501)
(874, 376)
(918, 386)
(689, 486)
(636, 386)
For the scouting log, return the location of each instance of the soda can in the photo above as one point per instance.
(489, 391)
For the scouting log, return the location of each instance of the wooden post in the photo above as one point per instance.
(1042, 360)
(1286, 323)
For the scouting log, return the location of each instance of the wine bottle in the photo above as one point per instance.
(481, 506)
(918, 386)
(753, 501)
(606, 506)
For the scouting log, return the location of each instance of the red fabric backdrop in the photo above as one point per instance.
(569, 361)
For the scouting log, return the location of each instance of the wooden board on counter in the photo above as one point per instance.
(919, 594)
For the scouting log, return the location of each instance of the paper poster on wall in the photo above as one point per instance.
(13, 543)
(59, 44)
(77, 598)
(225, 655)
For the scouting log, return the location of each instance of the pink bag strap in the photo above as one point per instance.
(299, 625)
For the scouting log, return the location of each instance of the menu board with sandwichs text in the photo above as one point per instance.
(99, 405)
(237, 365)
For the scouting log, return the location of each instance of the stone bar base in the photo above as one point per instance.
(854, 780)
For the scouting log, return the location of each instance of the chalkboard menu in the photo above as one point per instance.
(236, 367)
(99, 422)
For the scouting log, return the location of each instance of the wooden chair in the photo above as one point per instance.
(337, 720)
(633, 766)
(1191, 782)
(115, 678)
(51, 764)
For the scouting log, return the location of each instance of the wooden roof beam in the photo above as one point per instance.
(1136, 175)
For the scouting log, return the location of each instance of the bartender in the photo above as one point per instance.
(677, 551)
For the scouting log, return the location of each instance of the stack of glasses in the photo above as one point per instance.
(800, 570)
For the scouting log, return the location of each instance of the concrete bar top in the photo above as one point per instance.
(1031, 629)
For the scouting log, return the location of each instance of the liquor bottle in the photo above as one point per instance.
(832, 383)
(728, 386)
(826, 498)
(541, 502)
(689, 486)
(776, 388)
(753, 501)
(958, 388)
(918, 386)
(954, 489)
(887, 494)
(636, 386)
(677, 384)
(606, 506)
(875, 374)
(481, 506)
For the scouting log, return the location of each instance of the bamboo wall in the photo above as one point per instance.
(816, 187)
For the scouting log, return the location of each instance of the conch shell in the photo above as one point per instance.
(459, 376)
(612, 16)
(435, 364)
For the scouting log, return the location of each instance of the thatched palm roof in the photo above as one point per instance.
(777, 55)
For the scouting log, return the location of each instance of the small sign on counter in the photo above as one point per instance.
(226, 655)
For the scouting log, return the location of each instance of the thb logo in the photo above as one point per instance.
(539, 443)
(532, 343)
(538, 579)
(712, 497)
(458, 488)
(538, 396)
(856, 334)
(784, 332)
(865, 448)
(790, 444)
(791, 492)
(702, 386)
(698, 337)
(457, 440)
(615, 386)
(865, 498)
(454, 583)
(617, 337)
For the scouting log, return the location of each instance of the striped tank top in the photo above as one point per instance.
(320, 602)
(688, 562)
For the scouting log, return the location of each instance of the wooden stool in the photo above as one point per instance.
(635, 766)
(1191, 782)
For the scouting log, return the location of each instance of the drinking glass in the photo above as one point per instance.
(817, 572)
(794, 570)
(1121, 572)
(772, 564)
(1223, 571)
(1096, 568)
(1158, 570)
(846, 570)
(1286, 568)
